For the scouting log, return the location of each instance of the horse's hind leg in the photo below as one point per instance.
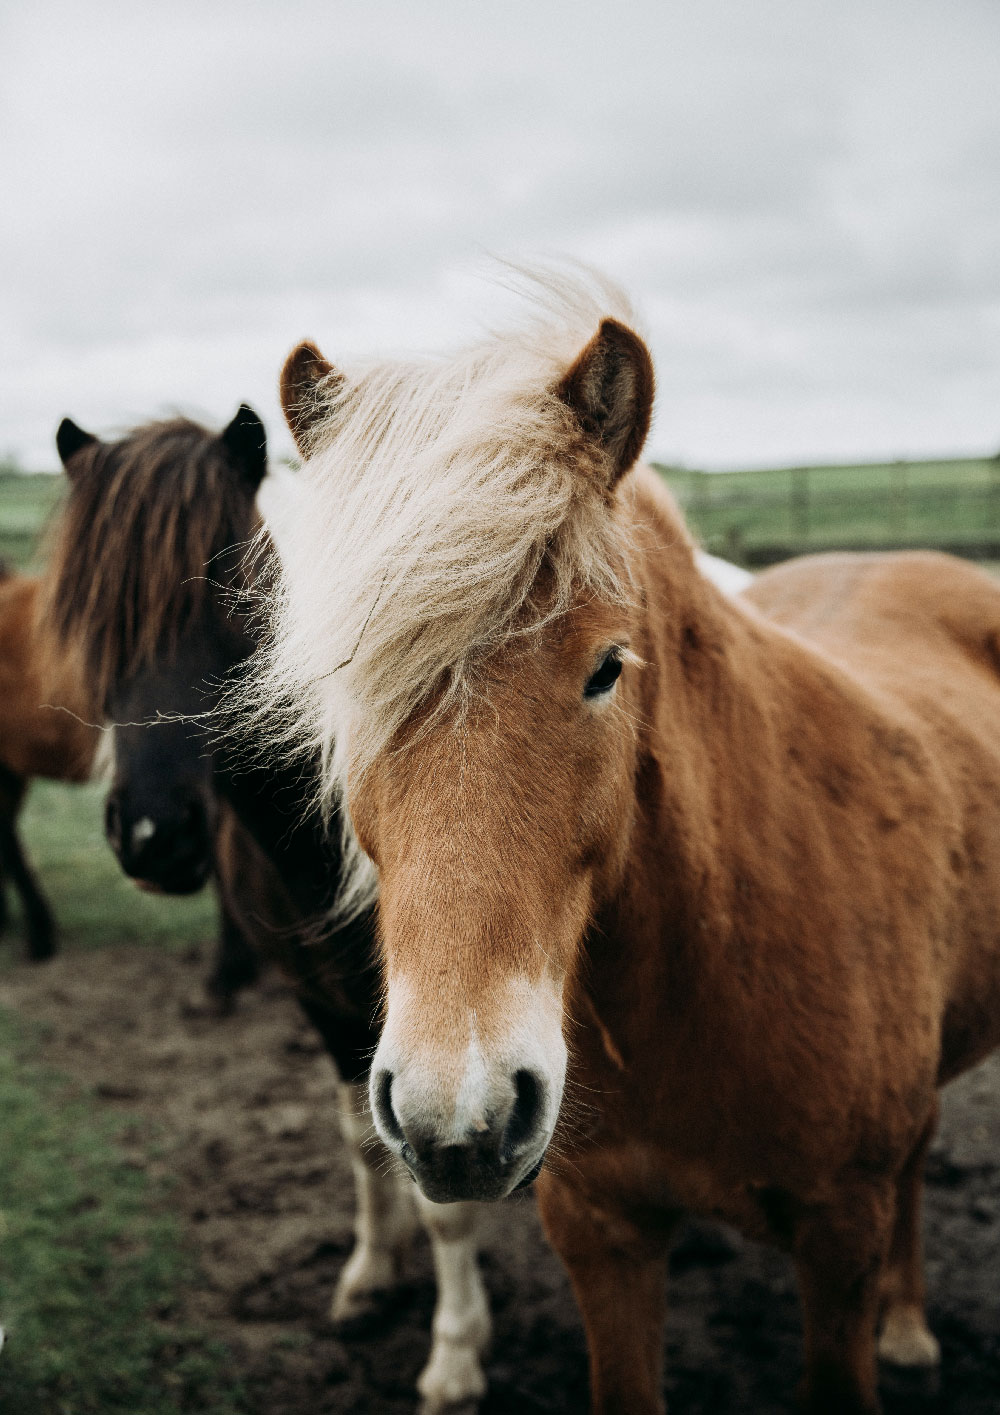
(905, 1339)
(840, 1252)
(236, 963)
(385, 1219)
(37, 915)
(461, 1329)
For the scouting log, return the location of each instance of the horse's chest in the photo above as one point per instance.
(646, 1179)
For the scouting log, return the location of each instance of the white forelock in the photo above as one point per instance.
(435, 491)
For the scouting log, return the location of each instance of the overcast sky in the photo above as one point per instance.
(802, 197)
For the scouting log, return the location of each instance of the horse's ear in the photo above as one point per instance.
(69, 440)
(246, 442)
(305, 369)
(610, 388)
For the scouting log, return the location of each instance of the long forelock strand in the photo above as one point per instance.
(436, 493)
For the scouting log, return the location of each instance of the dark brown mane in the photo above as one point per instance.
(137, 548)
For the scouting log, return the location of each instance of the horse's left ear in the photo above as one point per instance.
(610, 388)
(246, 442)
(70, 439)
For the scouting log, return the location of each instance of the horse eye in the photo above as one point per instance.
(606, 676)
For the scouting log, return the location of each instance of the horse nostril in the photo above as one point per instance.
(382, 1107)
(195, 820)
(526, 1114)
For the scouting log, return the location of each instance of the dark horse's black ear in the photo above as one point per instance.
(246, 442)
(69, 440)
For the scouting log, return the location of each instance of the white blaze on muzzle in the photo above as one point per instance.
(486, 1082)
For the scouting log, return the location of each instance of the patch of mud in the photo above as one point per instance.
(240, 1113)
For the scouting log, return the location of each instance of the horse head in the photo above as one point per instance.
(144, 580)
(459, 618)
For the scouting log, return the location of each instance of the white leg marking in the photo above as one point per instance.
(905, 1339)
(461, 1328)
(385, 1221)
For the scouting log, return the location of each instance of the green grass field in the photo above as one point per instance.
(90, 1262)
(26, 503)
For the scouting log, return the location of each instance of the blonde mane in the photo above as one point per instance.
(434, 493)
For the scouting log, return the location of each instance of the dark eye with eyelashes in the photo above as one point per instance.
(606, 675)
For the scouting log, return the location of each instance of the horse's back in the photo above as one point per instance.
(894, 618)
(920, 632)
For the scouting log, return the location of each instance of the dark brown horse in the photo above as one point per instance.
(731, 868)
(36, 739)
(148, 581)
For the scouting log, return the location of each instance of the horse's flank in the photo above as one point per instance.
(44, 724)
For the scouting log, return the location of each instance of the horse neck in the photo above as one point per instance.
(273, 797)
(724, 698)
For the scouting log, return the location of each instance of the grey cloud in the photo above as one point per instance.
(802, 199)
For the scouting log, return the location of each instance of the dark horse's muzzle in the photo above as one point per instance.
(171, 851)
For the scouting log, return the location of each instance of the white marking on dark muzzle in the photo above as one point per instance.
(142, 831)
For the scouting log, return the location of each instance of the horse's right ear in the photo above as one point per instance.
(301, 402)
(69, 440)
(610, 388)
(246, 442)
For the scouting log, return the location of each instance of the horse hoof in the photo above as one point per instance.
(906, 1341)
(453, 1382)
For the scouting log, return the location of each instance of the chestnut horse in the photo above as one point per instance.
(700, 896)
(148, 577)
(35, 740)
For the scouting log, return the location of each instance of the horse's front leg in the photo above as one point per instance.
(461, 1328)
(840, 1253)
(385, 1219)
(619, 1275)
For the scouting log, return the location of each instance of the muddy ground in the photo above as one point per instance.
(243, 1112)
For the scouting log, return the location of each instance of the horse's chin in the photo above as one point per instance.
(179, 885)
(485, 1187)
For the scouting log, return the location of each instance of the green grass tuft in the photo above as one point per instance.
(90, 1263)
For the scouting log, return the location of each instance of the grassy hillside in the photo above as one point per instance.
(26, 502)
(759, 516)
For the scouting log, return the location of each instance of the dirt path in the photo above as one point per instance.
(243, 1112)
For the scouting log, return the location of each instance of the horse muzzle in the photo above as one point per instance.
(485, 1157)
(166, 855)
